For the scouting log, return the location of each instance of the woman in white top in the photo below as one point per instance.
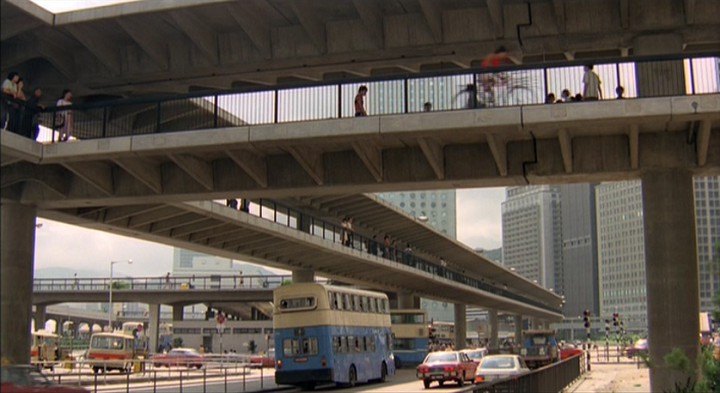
(64, 119)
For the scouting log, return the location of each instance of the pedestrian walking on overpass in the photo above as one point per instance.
(591, 85)
(350, 233)
(360, 101)
(167, 281)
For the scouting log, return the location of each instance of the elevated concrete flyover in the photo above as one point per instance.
(176, 46)
(215, 229)
(536, 144)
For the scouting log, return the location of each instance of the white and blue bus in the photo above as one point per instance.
(410, 334)
(328, 334)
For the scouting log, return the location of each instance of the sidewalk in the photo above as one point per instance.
(620, 378)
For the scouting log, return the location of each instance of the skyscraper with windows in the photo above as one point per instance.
(439, 207)
(532, 234)
(579, 250)
(621, 247)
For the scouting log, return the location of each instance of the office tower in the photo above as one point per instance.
(579, 250)
(440, 210)
(532, 238)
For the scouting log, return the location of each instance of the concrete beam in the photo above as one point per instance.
(255, 165)
(703, 142)
(10, 27)
(497, 17)
(98, 174)
(143, 170)
(634, 140)
(98, 44)
(558, 10)
(372, 17)
(566, 149)
(148, 218)
(201, 171)
(198, 32)
(140, 30)
(460, 325)
(371, 156)
(624, 13)
(689, 7)
(498, 148)
(433, 151)
(250, 21)
(432, 11)
(313, 25)
(311, 160)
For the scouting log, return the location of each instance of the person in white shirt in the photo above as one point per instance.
(64, 119)
(9, 92)
(591, 85)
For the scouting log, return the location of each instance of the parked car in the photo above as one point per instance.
(640, 347)
(539, 348)
(446, 366)
(494, 367)
(476, 355)
(185, 357)
(28, 379)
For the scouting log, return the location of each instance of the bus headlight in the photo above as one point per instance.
(392, 356)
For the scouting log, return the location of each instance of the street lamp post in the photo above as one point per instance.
(110, 301)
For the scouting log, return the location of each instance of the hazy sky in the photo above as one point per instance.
(63, 245)
(70, 5)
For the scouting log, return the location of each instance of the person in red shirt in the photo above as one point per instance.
(360, 101)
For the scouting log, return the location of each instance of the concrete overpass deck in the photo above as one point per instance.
(219, 44)
(176, 290)
(215, 229)
(536, 144)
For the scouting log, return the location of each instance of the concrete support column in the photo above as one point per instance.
(154, 326)
(460, 325)
(178, 311)
(659, 78)
(493, 329)
(407, 300)
(671, 271)
(17, 237)
(518, 328)
(303, 275)
(41, 317)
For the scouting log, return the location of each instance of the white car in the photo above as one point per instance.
(494, 367)
(476, 354)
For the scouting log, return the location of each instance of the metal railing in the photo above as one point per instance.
(442, 90)
(284, 215)
(172, 283)
(215, 374)
(551, 378)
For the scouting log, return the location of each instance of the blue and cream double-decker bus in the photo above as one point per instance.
(329, 334)
(410, 330)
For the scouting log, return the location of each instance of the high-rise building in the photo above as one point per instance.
(439, 208)
(190, 262)
(707, 228)
(621, 248)
(532, 238)
(579, 250)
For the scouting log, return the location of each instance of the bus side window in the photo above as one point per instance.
(351, 344)
(347, 304)
(331, 301)
(356, 302)
(386, 307)
(358, 344)
(344, 345)
(371, 343)
(364, 304)
(338, 301)
(373, 305)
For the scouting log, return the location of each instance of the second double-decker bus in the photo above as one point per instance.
(330, 334)
(410, 333)
(443, 333)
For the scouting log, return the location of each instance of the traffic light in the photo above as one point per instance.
(615, 319)
(586, 319)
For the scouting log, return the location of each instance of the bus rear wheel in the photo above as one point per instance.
(352, 376)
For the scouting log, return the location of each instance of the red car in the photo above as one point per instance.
(184, 357)
(27, 379)
(446, 366)
(568, 351)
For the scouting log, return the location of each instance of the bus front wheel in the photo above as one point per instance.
(383, 372)
(352, 376)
